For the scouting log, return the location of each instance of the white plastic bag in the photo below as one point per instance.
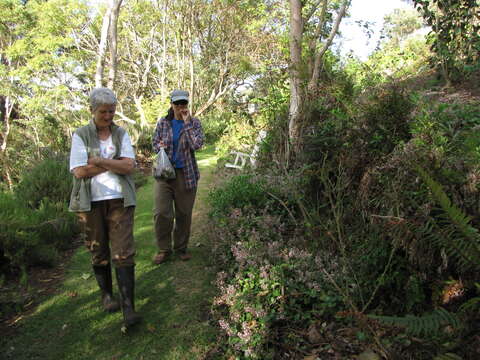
(163, 168)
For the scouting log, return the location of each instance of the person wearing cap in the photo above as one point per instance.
(180, 135)
(103, 196)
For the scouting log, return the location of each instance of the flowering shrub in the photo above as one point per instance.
(266, 282)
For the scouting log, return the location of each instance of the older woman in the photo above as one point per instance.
(103, 195)
(181, 135)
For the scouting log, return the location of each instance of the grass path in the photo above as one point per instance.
(173, 298)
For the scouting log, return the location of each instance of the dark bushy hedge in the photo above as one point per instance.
(35, 224)
(49, 178)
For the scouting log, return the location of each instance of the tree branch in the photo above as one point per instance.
(318, 57)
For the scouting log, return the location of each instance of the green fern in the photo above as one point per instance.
(460, 240)
(425, 325)
(447, 356)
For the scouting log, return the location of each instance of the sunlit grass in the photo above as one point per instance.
(174, 300)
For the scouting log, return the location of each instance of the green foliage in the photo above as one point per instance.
(35, 223)
(401, 23)
(459, 238)
(139, 178)
(381, 260)
(266, 283)
(49, 179)
(33, 236)
(448, 129)
(448, 356)
(239, 192)
(455, 35)
(425, 325)
(386, 119)
(216, 123)
(143, 138)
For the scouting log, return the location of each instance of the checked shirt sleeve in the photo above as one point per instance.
(160, 135)
(194, 134)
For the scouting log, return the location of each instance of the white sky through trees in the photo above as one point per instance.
(354, 37)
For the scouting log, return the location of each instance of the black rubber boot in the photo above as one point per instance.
(103, 274)
(126, 285)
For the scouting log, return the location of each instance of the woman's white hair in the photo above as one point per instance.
(102, 96)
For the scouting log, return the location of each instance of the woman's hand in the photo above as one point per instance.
(95, 161)
(186, 117)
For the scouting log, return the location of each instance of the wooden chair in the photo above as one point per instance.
(241, 158)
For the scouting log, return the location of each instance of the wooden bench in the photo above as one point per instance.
(241, 158)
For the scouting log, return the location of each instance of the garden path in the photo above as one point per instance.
(174, 299)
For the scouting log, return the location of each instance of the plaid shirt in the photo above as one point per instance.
(191, 139)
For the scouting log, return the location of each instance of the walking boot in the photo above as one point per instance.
(103, 274)
(126, 285)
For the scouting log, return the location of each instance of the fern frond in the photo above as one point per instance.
(471, 305)
(447, 356)
(427, 325)
(462, 241)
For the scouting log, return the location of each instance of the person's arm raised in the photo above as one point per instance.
(193, 131)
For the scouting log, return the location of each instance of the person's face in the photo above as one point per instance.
(103, 115)
(179, 108)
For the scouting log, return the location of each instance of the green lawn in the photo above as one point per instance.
(173, 298)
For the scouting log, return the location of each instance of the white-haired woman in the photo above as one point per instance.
(102, 160)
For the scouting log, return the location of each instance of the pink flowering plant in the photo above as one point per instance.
(265, 280)
(270, 286)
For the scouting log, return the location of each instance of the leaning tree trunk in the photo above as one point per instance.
(312, 85)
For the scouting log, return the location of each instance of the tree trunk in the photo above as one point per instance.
(102, 48)
(296, 98)
(177, 53)
(8, 107)
(143, 118)
(191, 62)
(112, 39)
(163, 89)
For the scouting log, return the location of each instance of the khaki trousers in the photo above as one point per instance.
(108, 231)
(173, 212)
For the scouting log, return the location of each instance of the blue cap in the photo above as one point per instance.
(179, 95)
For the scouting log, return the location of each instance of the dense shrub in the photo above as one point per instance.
(144, 140)
(240, 191)
(35, 224)
(50, 179)
(33, 236)
(216, 123)
(386, 118)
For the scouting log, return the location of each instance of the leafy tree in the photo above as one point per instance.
(40, 63)
(401, 23)
(455, 34)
